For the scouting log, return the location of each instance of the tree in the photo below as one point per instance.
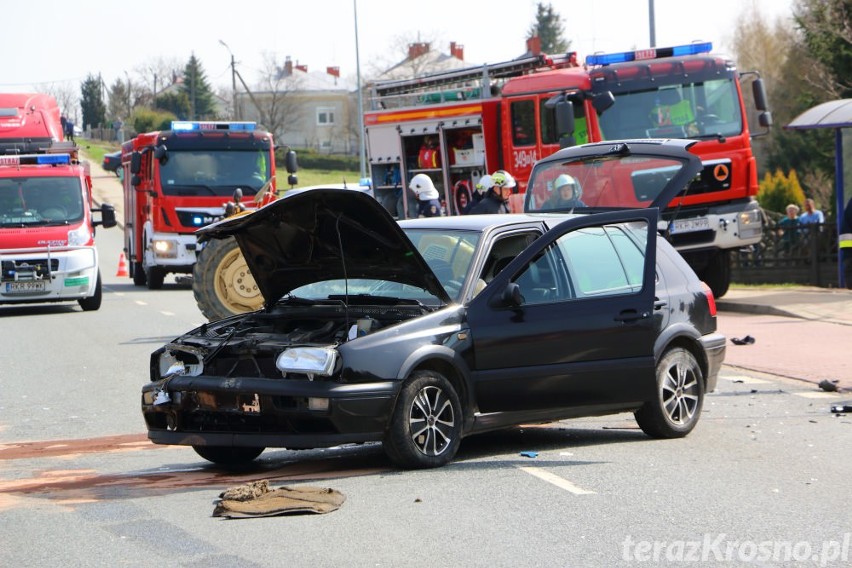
(92, 102)
(176, 103)
(275, 100)
(118, 107)
(197, 91)
(154, 76)
(778, 190)
(548, 28)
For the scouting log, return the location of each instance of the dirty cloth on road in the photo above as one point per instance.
(257, 499)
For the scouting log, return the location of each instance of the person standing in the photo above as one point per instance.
(811, 214)
(427, 196)
(844, 242)
(788, 228)
(496, 199)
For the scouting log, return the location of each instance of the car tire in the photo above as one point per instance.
(93, 303)
(425, 429)
(138, 273)
(717, 274)
(676, 408)
(227, 455)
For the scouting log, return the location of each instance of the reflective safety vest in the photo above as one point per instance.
(844, 239)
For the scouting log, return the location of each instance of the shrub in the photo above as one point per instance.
(777, 191)
(310, 159)
(146, 120)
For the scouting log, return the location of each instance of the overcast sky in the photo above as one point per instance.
(50, 42)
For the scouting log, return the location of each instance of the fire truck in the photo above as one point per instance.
(177, 181)
(508, 115)
(47, 226)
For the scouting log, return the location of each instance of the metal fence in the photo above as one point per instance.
(806, 254)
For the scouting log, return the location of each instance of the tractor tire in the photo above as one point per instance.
(221, 281)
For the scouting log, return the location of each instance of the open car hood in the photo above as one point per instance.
(321, 234)
(615, 174)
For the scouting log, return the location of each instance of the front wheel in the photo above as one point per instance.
(675, 410)
(227, 455)
(425, 430)
(93, 302)
(717, 274)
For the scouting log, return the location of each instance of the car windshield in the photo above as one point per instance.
(447, 252)
(609, 181)
(40, 201)
(214, 172)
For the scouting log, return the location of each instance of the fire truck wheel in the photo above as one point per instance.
(138, 274)
(154, 277)
(221, 281)
(717, 274)
(92, 303)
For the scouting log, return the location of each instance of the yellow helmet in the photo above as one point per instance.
(502, 178)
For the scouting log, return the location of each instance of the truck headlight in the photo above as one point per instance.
(164, 248)
(749, 223)
(308, 360)
(79, 236)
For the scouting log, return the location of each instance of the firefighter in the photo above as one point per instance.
(484, 184)
(427, 196)
(496, 199)
(844, 241)
(567, 194)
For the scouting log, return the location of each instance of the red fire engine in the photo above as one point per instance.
(179, 180)
(508, 115)
(47, 228)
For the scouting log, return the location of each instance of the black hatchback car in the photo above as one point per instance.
(112, 162)
(420, 333)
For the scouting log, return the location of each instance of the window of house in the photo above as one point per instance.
(325, 116)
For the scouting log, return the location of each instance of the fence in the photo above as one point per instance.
(805, 254)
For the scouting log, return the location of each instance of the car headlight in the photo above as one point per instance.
(171, 366)
(164, 248)
(308, 360)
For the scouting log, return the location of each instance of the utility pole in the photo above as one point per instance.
(651, 24)
(361, 146)
(233, 81)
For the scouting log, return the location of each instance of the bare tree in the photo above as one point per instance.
(153, 76)
(398, 60)
(276, 98)
(67, 97)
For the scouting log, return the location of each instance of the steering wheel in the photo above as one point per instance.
(54, 212)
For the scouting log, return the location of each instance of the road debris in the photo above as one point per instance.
(747, 340)
(257, 499)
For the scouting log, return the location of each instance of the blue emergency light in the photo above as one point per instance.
(193, 126)
(35, 159)
(652, 53)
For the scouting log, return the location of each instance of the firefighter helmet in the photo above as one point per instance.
(570, 181)
(485, 183)
(502, 178)
(422, 186)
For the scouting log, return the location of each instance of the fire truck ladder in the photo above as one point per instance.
(486, 72)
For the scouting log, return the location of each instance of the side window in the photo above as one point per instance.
(605, 261)
(523, 123)
(539, 282)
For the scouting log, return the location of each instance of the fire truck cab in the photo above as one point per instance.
(179, 180)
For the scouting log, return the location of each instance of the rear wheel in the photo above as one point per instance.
(225, 455)
(93, 302)
(680, 396)
(222, 283)
(154, 277)
(425, 430)
(138, 274)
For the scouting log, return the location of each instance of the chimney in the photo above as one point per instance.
(288, 66)
(534, 45)
(333, 71)
(415, 50)
(302, 68)
(457, 50)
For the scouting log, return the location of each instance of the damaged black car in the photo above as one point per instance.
(419, 333)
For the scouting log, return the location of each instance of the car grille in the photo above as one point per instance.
(33, 269)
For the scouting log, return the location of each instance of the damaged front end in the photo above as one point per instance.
(273, 378)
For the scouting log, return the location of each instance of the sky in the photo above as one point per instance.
(61, 43)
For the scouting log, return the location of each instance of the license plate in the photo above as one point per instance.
(690, 225)
(25, 287)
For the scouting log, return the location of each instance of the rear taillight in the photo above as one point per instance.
(711, 301)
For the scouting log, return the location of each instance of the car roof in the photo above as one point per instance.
(482, 223)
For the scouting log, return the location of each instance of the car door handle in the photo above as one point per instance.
(631, 315)
(659, 304)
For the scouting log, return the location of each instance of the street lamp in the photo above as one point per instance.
(233, 80)
(361, 144)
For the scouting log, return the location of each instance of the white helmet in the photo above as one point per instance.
(503, 178)
(566, 179)
(484, 184)
(423, 188)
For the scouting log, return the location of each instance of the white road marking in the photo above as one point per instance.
(554, 479)
(809, 394)
(141, 303)
(167, 313)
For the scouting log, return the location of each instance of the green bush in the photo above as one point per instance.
(777, 191)
(147, 120)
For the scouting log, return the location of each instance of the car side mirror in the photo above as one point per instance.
(510, 296)
(135, 162)
(107, 216)
(290, 162)
(161, 154)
